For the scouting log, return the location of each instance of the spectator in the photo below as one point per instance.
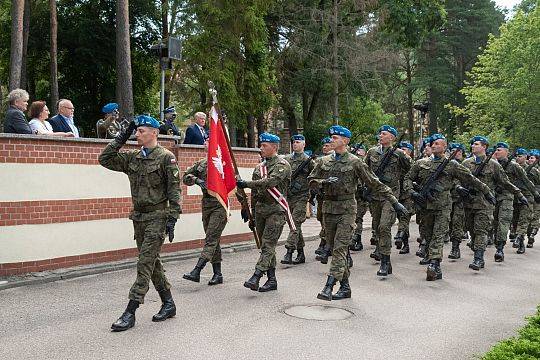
(15, 121)
(195, 134)
(39, 124)
(63, 122)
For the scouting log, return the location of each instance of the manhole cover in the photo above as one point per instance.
(318, 312)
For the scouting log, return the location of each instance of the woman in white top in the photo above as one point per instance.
(39, 113)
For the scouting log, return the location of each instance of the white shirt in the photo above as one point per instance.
(71, 124)
(40, 128)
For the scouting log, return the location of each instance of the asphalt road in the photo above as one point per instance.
(400, 317)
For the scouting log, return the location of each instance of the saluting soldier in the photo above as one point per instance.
(436, 202)
(338, 176)
(401, 238)
(381, 210)
(297, 197)
(323, 251)
(457, 214)
(479, 207)
(214, 217)
(534, 176)
(269, 186)
(155, 192)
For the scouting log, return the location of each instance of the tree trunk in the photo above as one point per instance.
(335, 88)
(260, 124)
(26, 33)
(16, 52)
(124, 83)
(54, 55)
(165, 37)
(251, 131)
(289, 114)
(410, 110)
(312, 106)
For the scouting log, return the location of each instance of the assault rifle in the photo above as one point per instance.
(294, 185)
(478, 171)
(510, 158)
(426, 191)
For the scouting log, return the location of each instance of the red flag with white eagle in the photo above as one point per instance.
(220, 179)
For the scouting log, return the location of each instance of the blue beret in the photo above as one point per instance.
(359, 146)
(146, 120)
(406, 144)
(340, 130)
(267, 137)
(326, 140)
(490, 150)
(436, 137)
(170, 109)
(502, 144)
(484, 140)
(521, 151)
(388, 128)
(109, 108)
(427, 140)
(534, 152)
(298, 137)
(308, 152)
(457, 146)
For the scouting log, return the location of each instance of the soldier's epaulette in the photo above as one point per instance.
(283, 161)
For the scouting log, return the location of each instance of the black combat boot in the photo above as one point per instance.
(326, 293)
(344, 291)
(421, 250)
(320, 249)
(373, 240)
(349, 259)
(520, 241)
(356, 243)
(323, 258)
(217, 278)
(127, 320)
(531, 236)
(512, 237)
(434, 271)
(300, 257)
(195, 274)
(168, 309)
(287, 259)
(499, 254)
(376, 254)
(386, 266)
(398, 239)
(271, 283)
(253, 282)
(478, 262)
(405, 249)
(455, 253)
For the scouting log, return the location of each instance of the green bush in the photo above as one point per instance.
(526, 346)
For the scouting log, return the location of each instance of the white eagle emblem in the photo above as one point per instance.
(219, 163)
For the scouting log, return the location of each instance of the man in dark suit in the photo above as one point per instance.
(63, 122)
(15, 121)
(196, 133)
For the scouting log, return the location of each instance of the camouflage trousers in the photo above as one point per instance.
(477, 223)
(384, 217)
(361, 209)
(436, 225)
(269, 229)
(502, 220)
(298, 208)
(339, 229)
(149, 236)
(214, 221)
(404, 221)
(535, 218)
(457, 220)
(524, 215)
(320, 218)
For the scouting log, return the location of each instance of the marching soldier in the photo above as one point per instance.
(479, 207)
(389, 173)
(297, 197)
(457, 214)
(534, 176)
(425, 152)
(269, 186)
(338, 176)
(402, 236)
(323, 252)
(524, 212)
(361, 206)
(433, 195)
(155, 192)
(214, 217)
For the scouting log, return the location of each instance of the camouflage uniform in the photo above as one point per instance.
(524, 212)
(155, 193)
(361, 209)
(381, 210)
(534, 176)
(478, 211)
(339, 206)
(214, 215)
(297, 198)
(269, 215)
(436, 215)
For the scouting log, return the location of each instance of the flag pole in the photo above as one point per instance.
(242, 194)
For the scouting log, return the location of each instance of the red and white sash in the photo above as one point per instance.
(278, 196)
